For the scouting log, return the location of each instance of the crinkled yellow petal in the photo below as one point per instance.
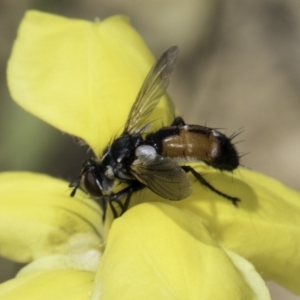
(157, 251)
(38, 217)
(264, 228)
(81, 77)
(49, 285)
(83, 254)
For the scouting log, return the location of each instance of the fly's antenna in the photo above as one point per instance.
(75, 185)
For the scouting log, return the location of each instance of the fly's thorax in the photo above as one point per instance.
(118, 157)
(122, 149)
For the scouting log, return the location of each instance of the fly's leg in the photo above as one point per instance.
(127, 192)
(103, 204)
(201, 179)
(126, 203)
(114, 211)
(178, 121)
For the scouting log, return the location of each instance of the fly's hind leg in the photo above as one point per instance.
(201, 179)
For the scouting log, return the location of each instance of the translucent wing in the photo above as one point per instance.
(161, 175)
(152, 90)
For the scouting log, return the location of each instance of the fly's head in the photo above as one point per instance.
(93, 179)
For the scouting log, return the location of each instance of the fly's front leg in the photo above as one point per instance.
(116, 199)
(127, 192)
(201, 179)
(102, 201)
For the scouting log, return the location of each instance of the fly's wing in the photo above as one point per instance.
(162, 176)
(153, 88)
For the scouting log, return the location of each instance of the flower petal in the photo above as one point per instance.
(81, 77)
(83, 254)
(58, 285)
(250, 275)
(264, 228)
(156, 251)
(38, 217)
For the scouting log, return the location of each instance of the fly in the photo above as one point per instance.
(155, 160)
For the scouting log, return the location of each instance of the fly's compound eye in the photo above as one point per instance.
(91, 184)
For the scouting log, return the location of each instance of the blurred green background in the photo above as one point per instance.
(239, 67)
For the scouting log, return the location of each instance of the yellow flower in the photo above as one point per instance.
(82, 77)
